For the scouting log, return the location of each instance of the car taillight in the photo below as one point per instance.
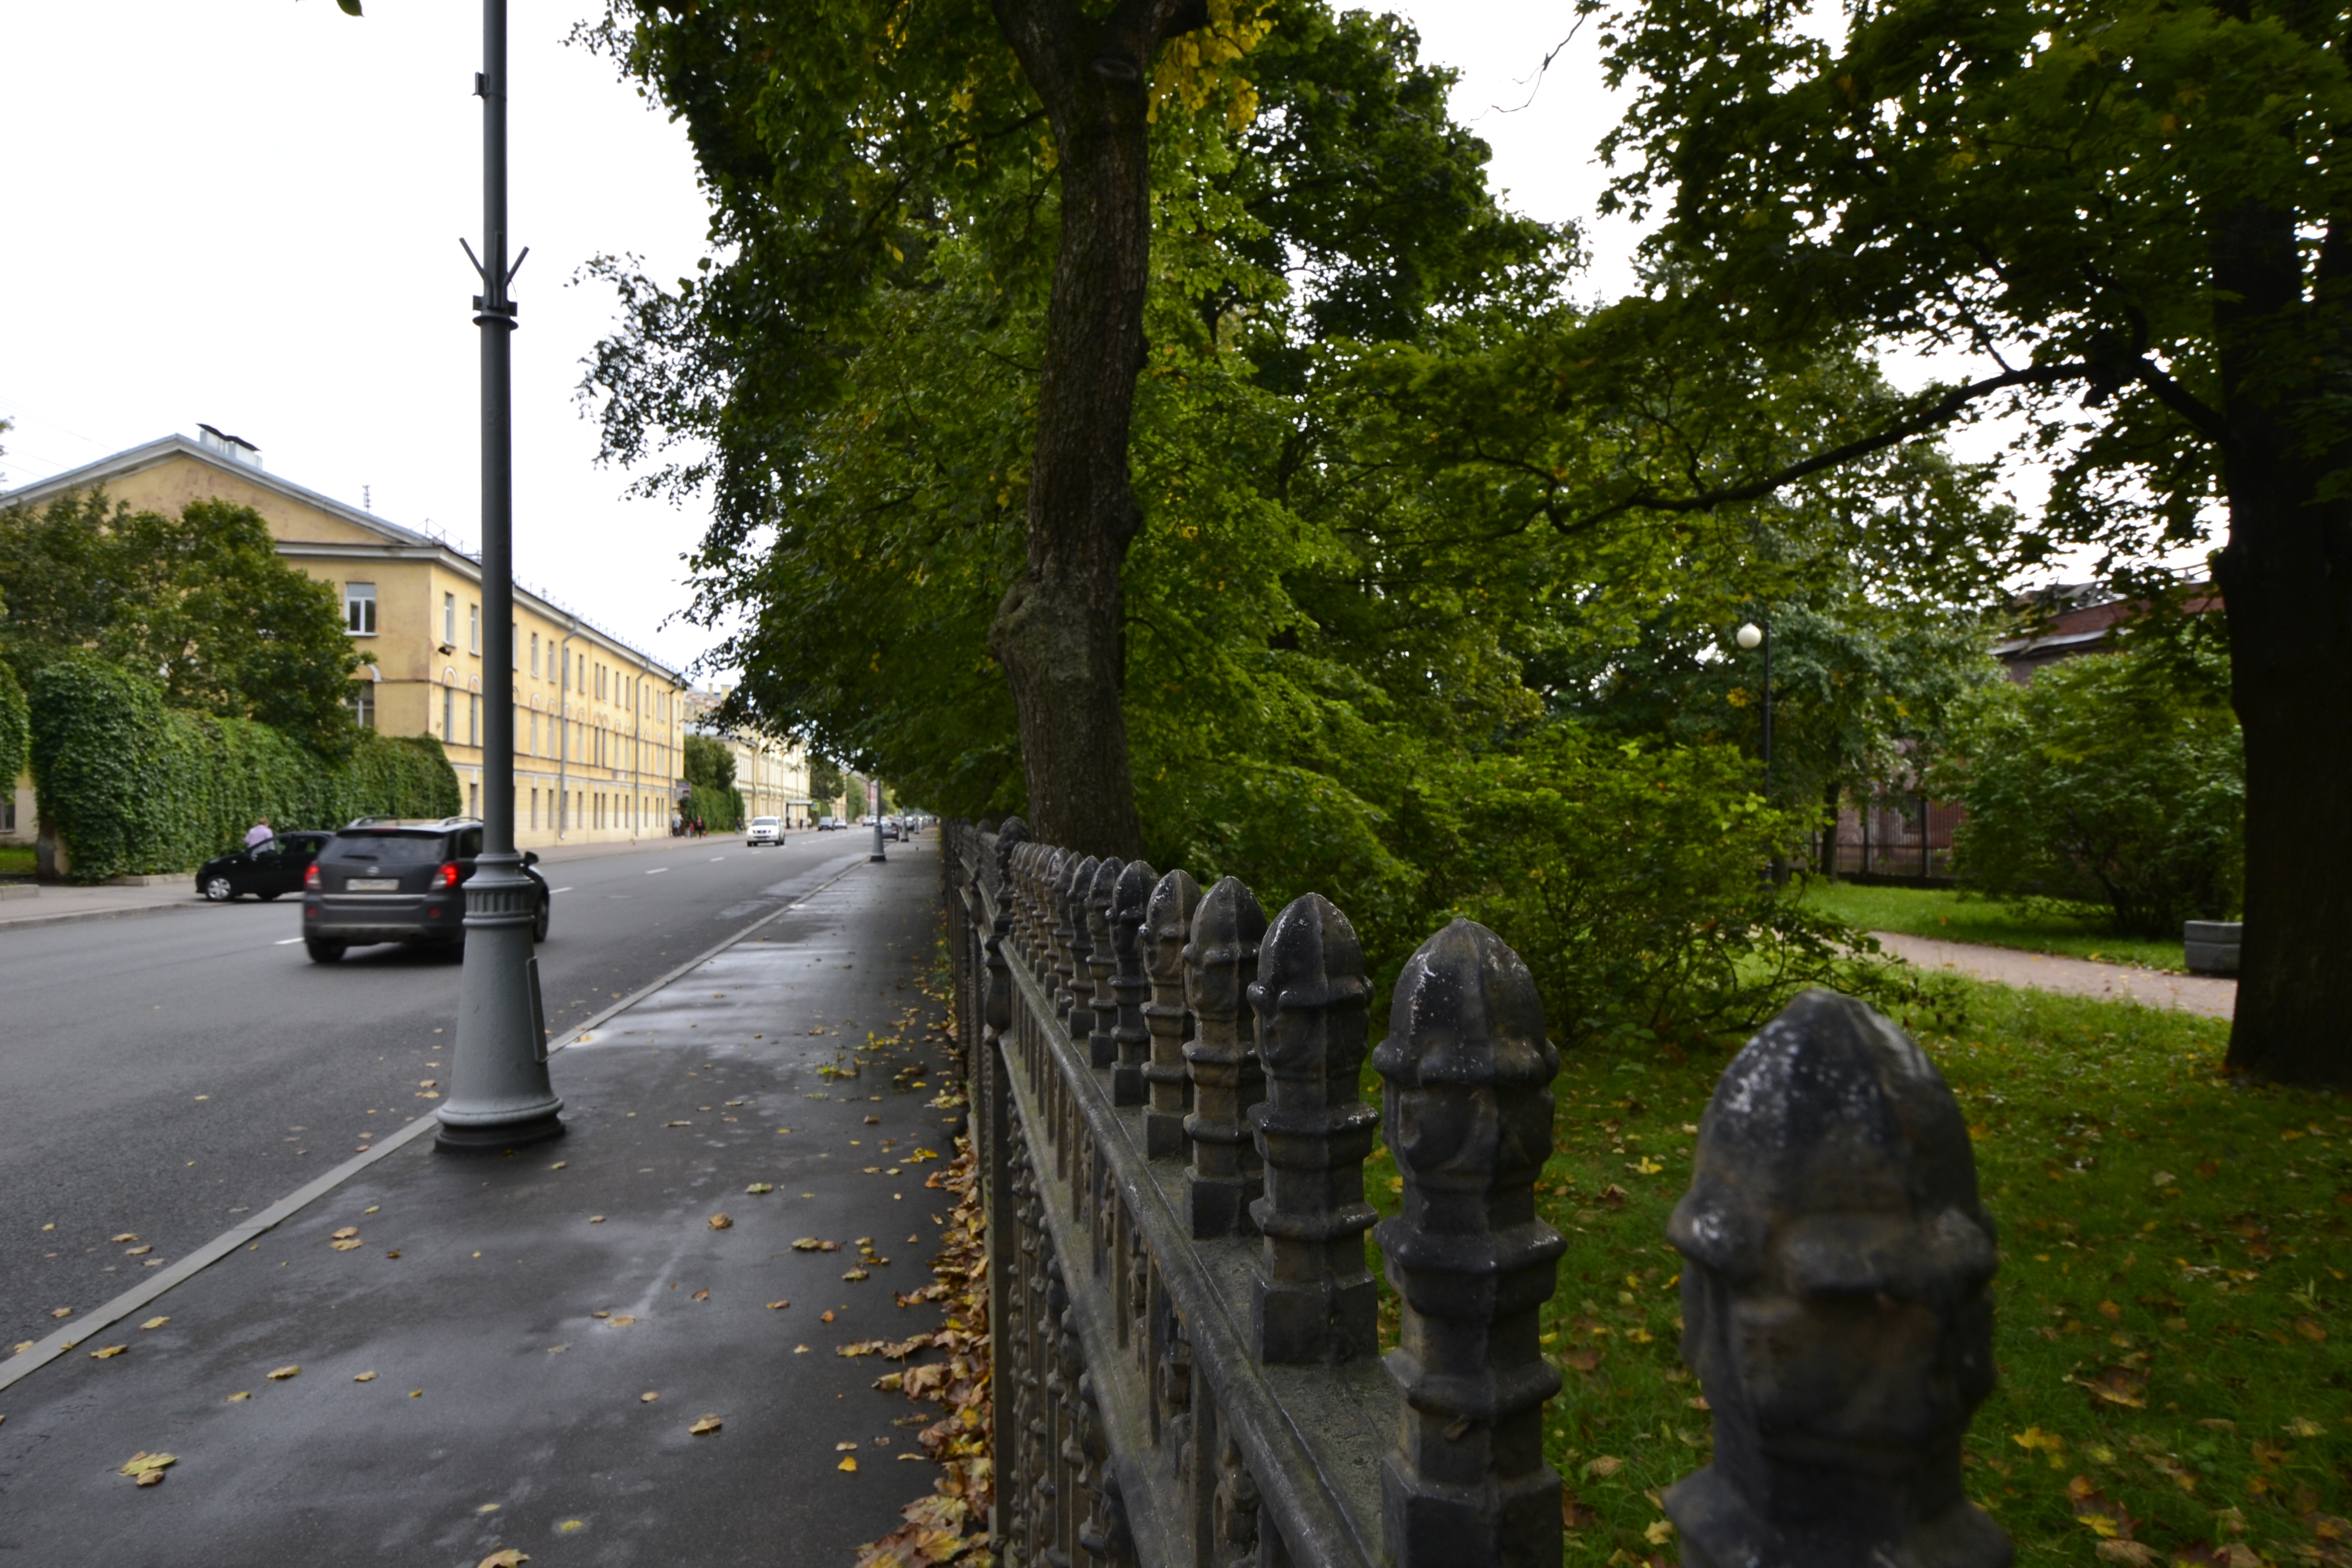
(311, 877)
(446, 877)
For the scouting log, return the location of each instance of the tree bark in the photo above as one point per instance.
(1058, 631)
(2287, 580)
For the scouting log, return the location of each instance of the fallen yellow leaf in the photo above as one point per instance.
(1660, 1532)
(776, 1306)
(705, 1426)
(117, 1240)
(648, 1397)
(142, 1464)
(154, 1322)
(108, 1350)
(283, 1373)
(509, 1558)
(849, 1464)
(720, 1222)
(347, 1231)
(363, 1377)
(346, 1245)
(241, 1393)
(761, 1188)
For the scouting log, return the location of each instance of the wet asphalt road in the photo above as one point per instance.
(162, 1075)
(516, 1353)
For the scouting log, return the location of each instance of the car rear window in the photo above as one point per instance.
(763, 822)
(386, 849)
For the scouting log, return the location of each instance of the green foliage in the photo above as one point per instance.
(708, 763)
(2103, 782)
(15, 727)
(719, 809)
(136, 786)
(202, 600)
(825, 786)
(2032, 925)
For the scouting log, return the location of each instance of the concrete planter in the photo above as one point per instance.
(2213, 945)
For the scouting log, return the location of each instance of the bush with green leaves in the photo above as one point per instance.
(2116, 780)
(133, 786)
(15, 727)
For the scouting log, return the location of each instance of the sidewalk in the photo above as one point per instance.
(475, 1375)
(2214, 996)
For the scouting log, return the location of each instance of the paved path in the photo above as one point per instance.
(2211, 995)
(513, 1337)
(174, 1077)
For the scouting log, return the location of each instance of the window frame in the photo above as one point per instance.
(355, 595)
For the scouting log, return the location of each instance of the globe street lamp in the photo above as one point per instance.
(499, 1093)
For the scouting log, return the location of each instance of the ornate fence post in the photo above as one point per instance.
(1095, 984)
(1469, 1115)
(1072, 994)
(1130, 985)
(1167, 926)
(1312, 1300)
(1834, 1196)
(1220, 962)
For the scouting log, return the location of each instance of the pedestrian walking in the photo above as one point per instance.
(259, 832)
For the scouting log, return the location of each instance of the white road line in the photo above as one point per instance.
(555, 890)
(656, 870)
(289, 942)
(716, 858)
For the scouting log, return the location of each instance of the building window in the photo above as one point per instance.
(534, 811)
(534, 655)
(363, 704)
(448, 716)
(474, 628)
(449, 620)
(473, 721)
(359, 610)
(514, 645)
(473, 800)
(534, 742)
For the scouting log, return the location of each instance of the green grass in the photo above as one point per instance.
(15, 860)
(1964, 917)
(2175, 1238)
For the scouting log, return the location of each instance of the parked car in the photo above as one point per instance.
(386, 880)
(831, 825)
(764, 830)
(272, 866)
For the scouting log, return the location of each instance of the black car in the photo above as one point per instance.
(272, 866)
(382, 880)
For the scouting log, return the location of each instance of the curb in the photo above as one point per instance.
(17, 1367)
(27, 923)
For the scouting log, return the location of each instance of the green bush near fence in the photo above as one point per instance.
(135, 787)
(15, 727)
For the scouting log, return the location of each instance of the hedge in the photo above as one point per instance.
(133, 786)
(15, 727)
(722, 810)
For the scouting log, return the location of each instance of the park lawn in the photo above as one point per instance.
(16, 860)
(2171, 1334)
(1953, 916)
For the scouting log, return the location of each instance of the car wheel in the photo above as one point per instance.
(219, 890)
(539, 921)
(325, 951)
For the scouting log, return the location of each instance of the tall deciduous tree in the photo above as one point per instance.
(826, 132)
(2138, 216)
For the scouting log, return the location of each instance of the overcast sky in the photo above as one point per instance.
(246, 213)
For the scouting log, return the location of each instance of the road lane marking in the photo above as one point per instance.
(656, 870)
(716, 858)
(289, 942)
(553, 891)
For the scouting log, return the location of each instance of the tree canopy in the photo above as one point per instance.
(201, 603)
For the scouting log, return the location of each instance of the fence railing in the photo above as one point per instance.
(1164, 1088)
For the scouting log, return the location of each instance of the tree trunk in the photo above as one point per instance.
(1058, 631)
(2287, 580)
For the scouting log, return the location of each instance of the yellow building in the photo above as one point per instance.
(770, 775)
(597, 723)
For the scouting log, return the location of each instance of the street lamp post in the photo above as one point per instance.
(874, 804)
(499, 1094)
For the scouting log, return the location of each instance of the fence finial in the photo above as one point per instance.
(1093, 981)
(1070, 963)
(1312, 1300)
(1220, 962)
(1167, 926)
(1469, 1114)
(1834, 1195)
(1130, 985)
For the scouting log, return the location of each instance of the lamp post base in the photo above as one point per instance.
(497, 1139)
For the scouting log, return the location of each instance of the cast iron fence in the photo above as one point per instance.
(1164, 1090)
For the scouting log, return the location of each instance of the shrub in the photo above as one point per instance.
(1632, 881)
(2109, 780)
(133, 786)
(15, 727)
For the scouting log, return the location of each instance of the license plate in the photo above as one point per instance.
(374, 884)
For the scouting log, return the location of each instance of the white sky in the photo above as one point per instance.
(246, 213)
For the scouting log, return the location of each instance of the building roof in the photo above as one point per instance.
(397, 542)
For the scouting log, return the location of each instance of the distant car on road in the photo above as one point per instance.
(764, 830)
(831, 825)
(272, 866)
(381, 879)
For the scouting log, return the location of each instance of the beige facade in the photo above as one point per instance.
(770, 775)
(597, 723)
